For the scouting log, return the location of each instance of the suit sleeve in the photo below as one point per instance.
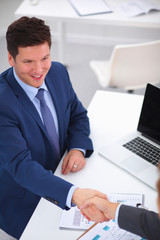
(139, 221)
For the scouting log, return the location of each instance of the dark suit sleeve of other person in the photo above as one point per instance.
(27, 160)
(140, 221)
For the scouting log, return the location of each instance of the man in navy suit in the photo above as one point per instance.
(136, 220)
(27, 158)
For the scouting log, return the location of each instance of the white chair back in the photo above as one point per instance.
(133, 66)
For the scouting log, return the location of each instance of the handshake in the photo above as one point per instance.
(94, 205)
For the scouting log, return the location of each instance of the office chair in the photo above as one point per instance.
(4, 64)
(130, 67)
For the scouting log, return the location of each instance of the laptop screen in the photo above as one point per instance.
(149, 121)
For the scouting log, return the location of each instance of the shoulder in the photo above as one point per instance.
(7, 95)
(58, 71)
(57, 67)
(5, 74)
(58, 75)
(3, 82)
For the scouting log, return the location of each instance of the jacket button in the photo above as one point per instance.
(56, 202)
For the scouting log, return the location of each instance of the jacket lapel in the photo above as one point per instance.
(29, 106)
(24, 99)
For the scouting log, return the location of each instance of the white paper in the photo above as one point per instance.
(88, 7)
(132, 8)
(108, 231)
(127, 199)
(73, 219)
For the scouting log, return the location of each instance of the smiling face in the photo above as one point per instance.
(32, 64)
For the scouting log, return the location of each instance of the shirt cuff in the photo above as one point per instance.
(69, 203)
(117, 213)
(82, 150)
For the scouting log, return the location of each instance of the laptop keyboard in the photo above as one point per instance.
(144, 149)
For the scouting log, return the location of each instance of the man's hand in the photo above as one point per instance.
(104, 205)
(73, 161)
(80, 196)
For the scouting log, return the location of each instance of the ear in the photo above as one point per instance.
(11, 59)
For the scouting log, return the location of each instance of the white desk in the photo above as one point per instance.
(111, 116)
(62, 12)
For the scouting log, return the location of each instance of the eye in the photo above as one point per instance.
(45, 58)
(27, 61)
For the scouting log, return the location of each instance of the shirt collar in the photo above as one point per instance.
(30, 91)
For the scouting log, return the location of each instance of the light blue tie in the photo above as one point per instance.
(49, 123)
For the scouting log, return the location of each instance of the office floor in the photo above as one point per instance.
(77, 58)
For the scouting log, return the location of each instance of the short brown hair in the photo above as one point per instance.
(26, 32)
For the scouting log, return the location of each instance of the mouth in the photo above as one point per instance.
(37, 77)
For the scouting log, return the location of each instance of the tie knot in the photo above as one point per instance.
(40, 94)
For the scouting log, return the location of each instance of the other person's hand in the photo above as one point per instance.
(104, 205)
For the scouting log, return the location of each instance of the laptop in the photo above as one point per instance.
(139, 152)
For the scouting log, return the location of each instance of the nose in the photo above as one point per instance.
(38, 68)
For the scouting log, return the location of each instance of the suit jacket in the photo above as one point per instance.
(27, 160)
(140, 221)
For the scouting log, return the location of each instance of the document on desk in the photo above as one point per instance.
(73, 218)
(108, 231)
(90, 7)
(133, 8)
